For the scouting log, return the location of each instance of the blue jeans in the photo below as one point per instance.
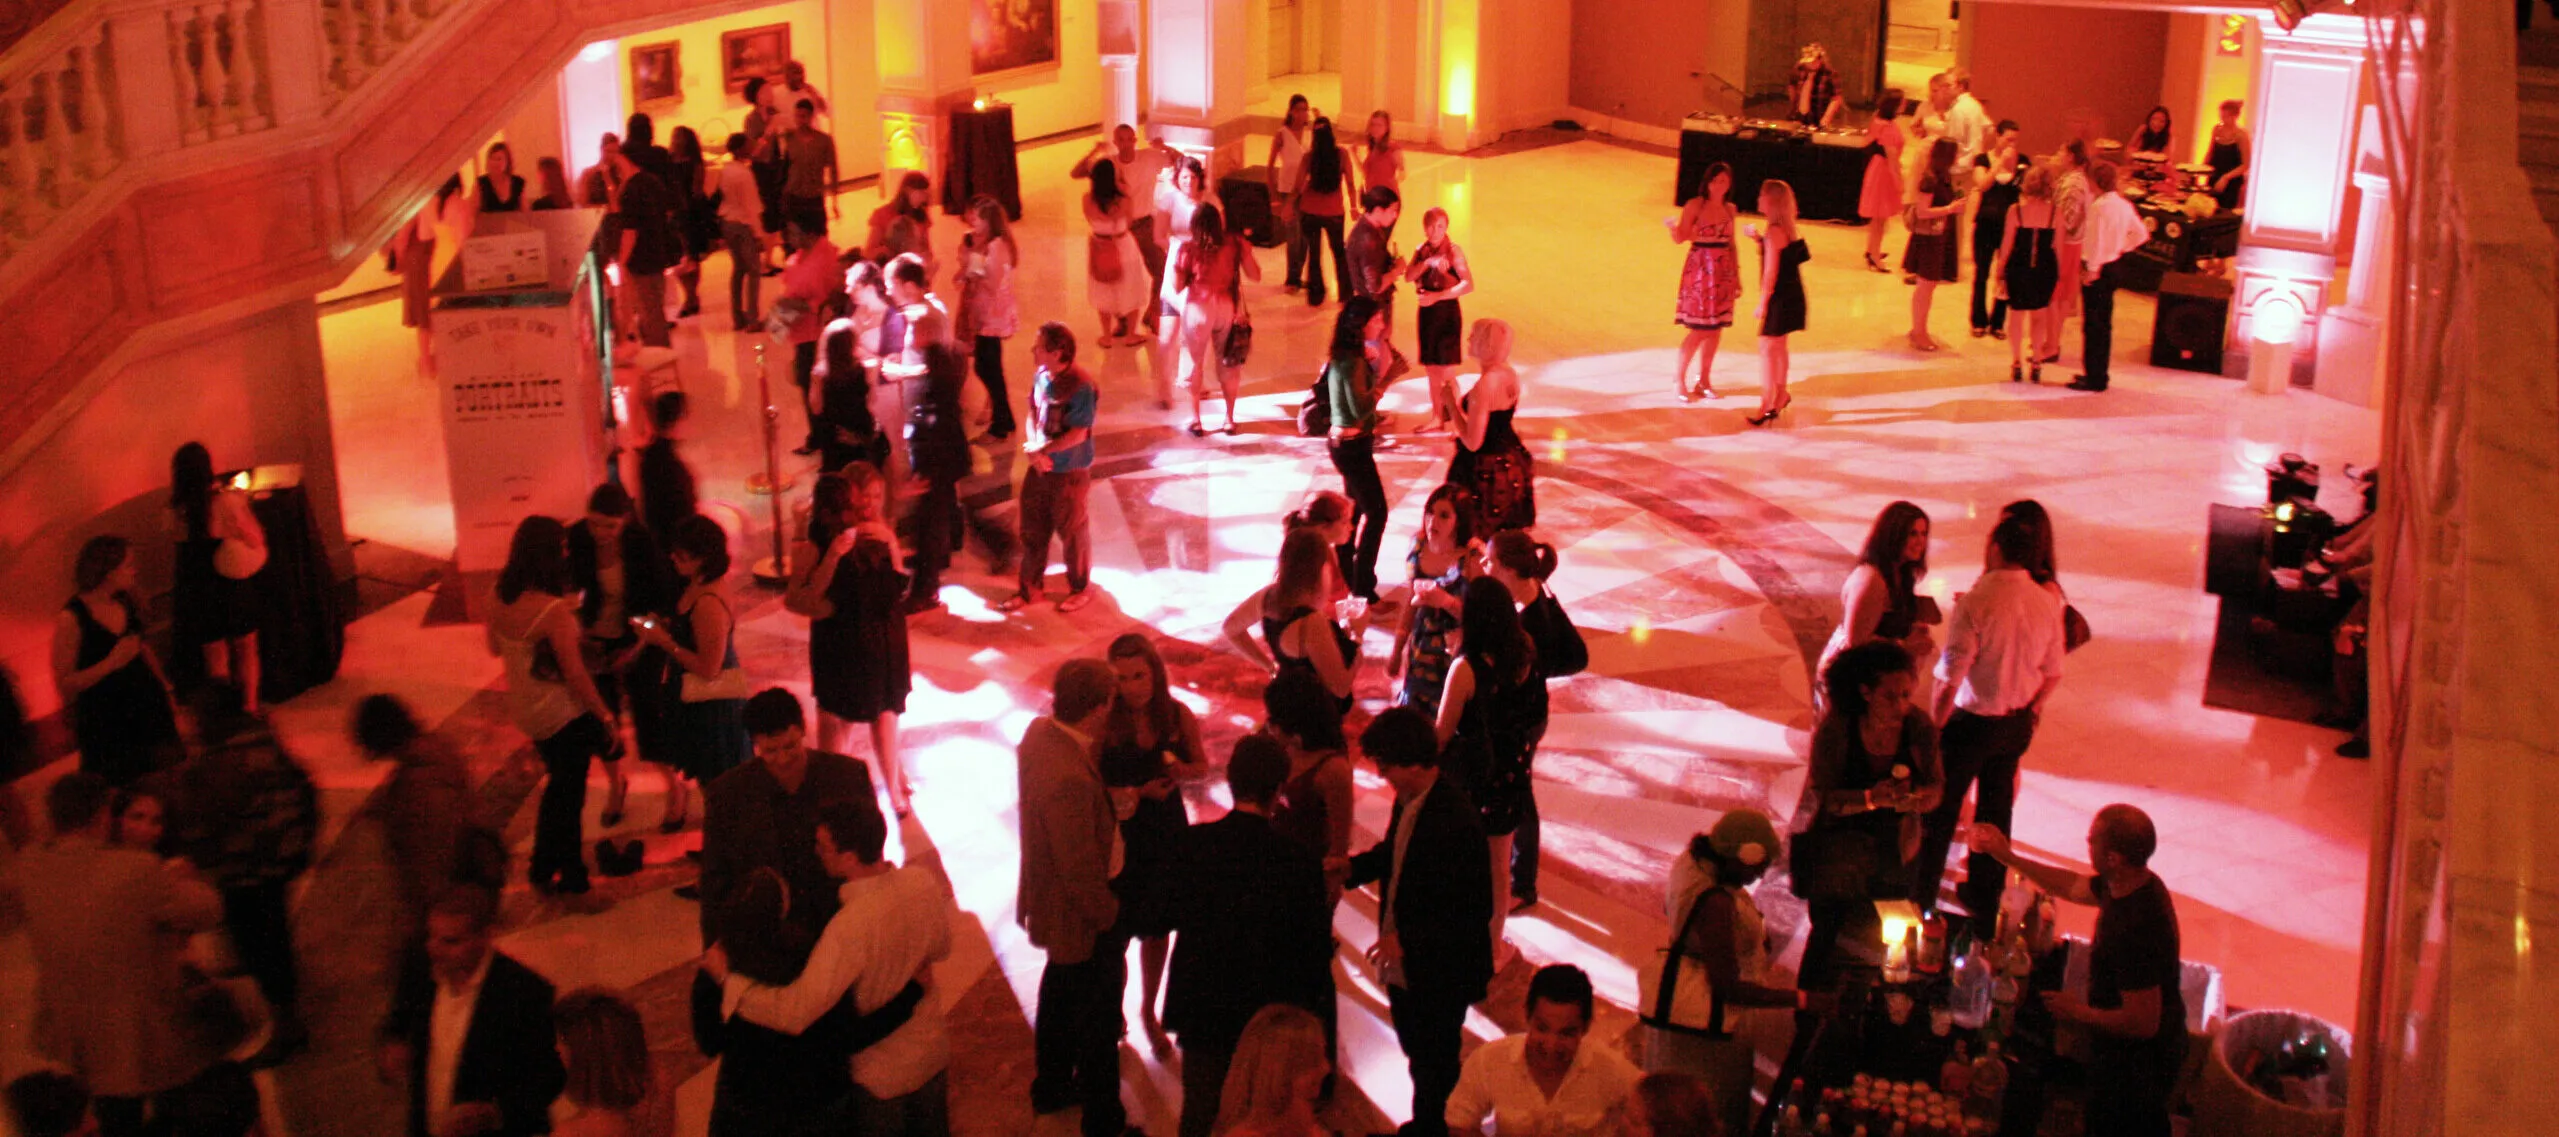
(746, 271)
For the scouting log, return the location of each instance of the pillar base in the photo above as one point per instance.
(2270, 276)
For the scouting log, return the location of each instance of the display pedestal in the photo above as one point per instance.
(981, 160)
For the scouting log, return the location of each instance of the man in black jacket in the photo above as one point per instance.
(471, 1031)
(1435, 908)
(1255, 928)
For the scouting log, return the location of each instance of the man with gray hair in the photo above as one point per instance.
(1070, 851)
(2136, 1005)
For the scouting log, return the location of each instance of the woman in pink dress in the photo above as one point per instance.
(1882, 197)
(1709, 282)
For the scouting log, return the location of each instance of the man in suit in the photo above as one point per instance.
(471, 1030)
(1256, 928)
(101, 918)
(1435, 908)
(1070, 852)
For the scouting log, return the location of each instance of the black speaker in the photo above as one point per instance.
(1247, 194)
(2194, 317)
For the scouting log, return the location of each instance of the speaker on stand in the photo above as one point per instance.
(2193, 321)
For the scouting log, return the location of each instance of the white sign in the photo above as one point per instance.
(523, 433)
(497, 261)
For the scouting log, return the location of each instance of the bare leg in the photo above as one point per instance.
(679, 799)
(1688, 346)
(1152, 953)
(1186, 344)
(1772, 372)
(1707, 341)
(1921, 295)
(1231, 385)
(892, 767)
(2019, 331)
(247, 670)
(1875, 239)
(217, 660)
(617, 789)
(1502, 951)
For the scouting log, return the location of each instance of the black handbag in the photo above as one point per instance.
(1315, 415)
(1238, 345)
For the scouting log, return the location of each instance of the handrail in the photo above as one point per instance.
(137, 88)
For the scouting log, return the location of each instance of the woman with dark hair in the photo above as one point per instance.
(1323, 195)
(706, 694)
(792, 1085)
(618, 573)
(1315, 802)
(1329, 514)
(1444, 556)
(611, 1079)
(843, 423)
(554, 176)
(1298, 622)
(2228, 156)
(221, 547)
(1354, 375)
(1933, 256)
(1177, 200)
(1440, 275)
(1523, 565)
(141, 819)
(1716, 922)
(1210, 272)
(697, 217)
(1382, 162)
(1880, 599)
(121, 715)
(1484, 727)
(851, 582)
(988, 310)
(501, 189)
(1491, 461)
(2039, 523)
(1710, 281)
(550, 696)
(1115, 278)
(1874, 776)
(1881, 198)
(2154, 135)
(430, 830)
(1149, 746)
(903, 224)
(668, 492)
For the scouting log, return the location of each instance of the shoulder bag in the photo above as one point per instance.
(730, 683)
(1237, 347)
(1675, 994)
(1105, 256)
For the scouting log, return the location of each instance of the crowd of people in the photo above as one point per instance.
(617, 634)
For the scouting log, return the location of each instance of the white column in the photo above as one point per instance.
(1120, 42)
(2302, 130)
(2354, 338)
(1195, 72)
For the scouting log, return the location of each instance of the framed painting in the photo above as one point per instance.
(655, 77)
(1011, 37)
(749, 53)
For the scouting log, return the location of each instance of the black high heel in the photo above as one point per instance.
(2016, 373)
(2035, 373)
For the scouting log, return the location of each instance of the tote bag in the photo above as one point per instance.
(1675, 993)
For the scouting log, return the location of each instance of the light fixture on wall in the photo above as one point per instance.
(2234, 34)
(2290, 13)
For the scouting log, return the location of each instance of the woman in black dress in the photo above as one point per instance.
(1484, 726)
(1782, 254)
(1995, 175)
(2029, 268)
(851, 583)
(697, 221)
(501, 188)
(843, 428)
(1933, 256)
(619, 573)
(1150, 745)
(1491, 462)
(705, 706)
(1440, 273)
(668, 493)
(1297, 615)
(121, 716)
(221, 548)
(1875, 775)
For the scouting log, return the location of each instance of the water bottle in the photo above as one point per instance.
(1971, 997)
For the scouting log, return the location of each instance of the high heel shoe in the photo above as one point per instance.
(1875, 261)
(2016, 373)
(2035, 372)
(1765, 417)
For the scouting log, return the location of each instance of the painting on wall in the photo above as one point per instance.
(1010, 36)
(750, 53)
(654, 77)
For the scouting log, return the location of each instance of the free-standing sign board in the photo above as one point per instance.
(523, 419)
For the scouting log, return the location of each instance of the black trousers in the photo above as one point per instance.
(937, 535)
(2097, 324)
(1524, 852)
(1075, 1040)
(1987, 312)
(2129, 1086)
(990, 371)
(1356, 460)
(1317, 232)
(1429, 1026)
(1206, 1056)
(557, 820)
(262, 933)
(803, 371)
(1974, 748)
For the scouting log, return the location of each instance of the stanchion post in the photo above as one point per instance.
(773, 571)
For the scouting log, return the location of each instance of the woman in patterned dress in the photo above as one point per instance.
(1491, 460)
(1441, 559)
(1709, 283)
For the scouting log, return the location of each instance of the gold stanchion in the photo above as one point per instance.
(773, 571)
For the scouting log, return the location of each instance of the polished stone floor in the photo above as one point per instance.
(1701, 557)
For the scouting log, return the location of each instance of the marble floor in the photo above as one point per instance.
(1701, 557)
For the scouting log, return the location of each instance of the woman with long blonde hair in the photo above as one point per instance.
(1782, 254)
(1278, 1070)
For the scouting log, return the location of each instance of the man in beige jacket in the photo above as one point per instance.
(1070, 852)
(103, 919)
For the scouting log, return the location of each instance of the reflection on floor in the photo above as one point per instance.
(1703, 559)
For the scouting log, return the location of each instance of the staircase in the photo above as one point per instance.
(169, 164)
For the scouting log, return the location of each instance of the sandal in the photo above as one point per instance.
(2035, 372)
(1014, 603)
(1075, 600)
(1198, 431)
(2016, 373)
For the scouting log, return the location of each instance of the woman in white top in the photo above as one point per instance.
(1288, 156)
(1716, 922)
(1177, 201)
(1115, 280)
(741, 231)
(553, 700)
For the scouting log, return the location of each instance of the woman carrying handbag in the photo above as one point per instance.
(1702, 1000)
(1211, 270)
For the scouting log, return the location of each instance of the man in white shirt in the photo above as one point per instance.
(780, 95)
(2114, 230)
(1966, 122)
(1141, 171)
(893, 925)
(1545, 1082)
(2001, 661)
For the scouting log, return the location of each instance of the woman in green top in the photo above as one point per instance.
(1352, 380)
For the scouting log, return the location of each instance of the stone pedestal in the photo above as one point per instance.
(2308, 83)
(923, 50)
(1195, 77)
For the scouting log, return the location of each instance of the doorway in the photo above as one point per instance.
(1920, 38)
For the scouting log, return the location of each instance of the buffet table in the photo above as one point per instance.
(1827, 179)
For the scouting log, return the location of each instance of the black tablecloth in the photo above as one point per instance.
(981, 160)
(303, 631)
(1827, 179)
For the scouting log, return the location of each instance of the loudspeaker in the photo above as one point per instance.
(2194, 318)
(1247, 194)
